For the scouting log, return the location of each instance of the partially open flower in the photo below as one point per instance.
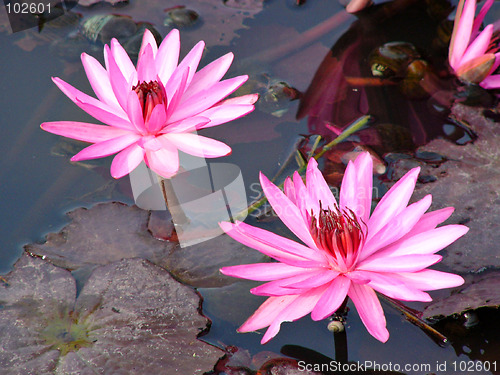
(153, 111)
(346, 252)
(473, 55)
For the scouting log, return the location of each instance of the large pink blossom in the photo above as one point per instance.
(346, 251)
(154, 110)
(473, 54)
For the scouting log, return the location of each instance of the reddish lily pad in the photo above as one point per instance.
(130, 317)
(468, 181)
(110, 232)
(198, 265)
(103, 234)
(482, 291)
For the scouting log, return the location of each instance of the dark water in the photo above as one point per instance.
(38, 185)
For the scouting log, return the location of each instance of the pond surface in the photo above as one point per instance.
(277, 41)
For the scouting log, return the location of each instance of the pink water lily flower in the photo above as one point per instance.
(473, 55)
(345, 251)
(154, 110)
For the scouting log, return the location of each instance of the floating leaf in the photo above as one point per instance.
(482, 291)
(468, 181)
(103, 234)
(198, 265)
(110, 232)
(467, 178)
(131, 316)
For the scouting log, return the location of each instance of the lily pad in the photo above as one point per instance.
(482, 291)
(109, 232)
(198, 265)
(469, 181)
(130, 317)
(100, 235)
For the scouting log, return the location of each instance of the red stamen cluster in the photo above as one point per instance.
(337, 232)
(150, 95)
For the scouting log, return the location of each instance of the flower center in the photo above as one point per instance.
(339, 233)
(150, 95)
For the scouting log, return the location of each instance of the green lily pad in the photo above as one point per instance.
(130, 317)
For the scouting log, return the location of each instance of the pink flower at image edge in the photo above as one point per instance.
(154, 110)
(345, 251)
(472, 54)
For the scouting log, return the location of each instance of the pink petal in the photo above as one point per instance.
(245, 99)
(393, 287)
(83, 131)
(121, 59)
(462, 30)
(192, 60)
(289, 190)
(393, 202)
(178, 91)
(431, 220)
(491, 82)
(302, 199)
(165, 161)
(427, 242)
(356, 189)
(146, 69)
(189, 124)
(397, 227)
(262, 271)
(287, 211)
(119, 83)
(291, 285)
(224, 113)
(106, 148)
(369, 310)
(157, 119)
(127, 160)
(332, 298)
(430, 279)
(479, 46)
(207, 98)
(99, 80)
(315, 278)
(318, 189)
(273, 245)
(402, 263)
(148, 40)
(266, 313)
(94, 107)
(168, 56)
(355, 6)
(210, 74)
(480, 17)
(298, 308)
(134, 111)
(198, 145)
(348, 188)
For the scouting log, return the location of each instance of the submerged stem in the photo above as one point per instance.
(413, 317)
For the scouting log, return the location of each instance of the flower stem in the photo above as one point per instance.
(346, 133)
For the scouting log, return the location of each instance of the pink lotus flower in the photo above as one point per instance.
(153, 111)
(347, 251)
(473, 55)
